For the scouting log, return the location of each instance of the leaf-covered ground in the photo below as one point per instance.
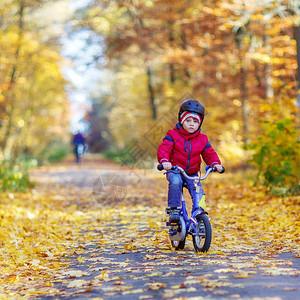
(70, 238)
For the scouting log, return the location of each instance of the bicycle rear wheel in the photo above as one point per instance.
(178, 245)
(178, 240)
(202, 236)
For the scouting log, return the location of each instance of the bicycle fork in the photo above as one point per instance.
(198, 203)
(192, 222)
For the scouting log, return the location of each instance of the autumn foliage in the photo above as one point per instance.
(277, 155)
(34, 110)
(238, 58)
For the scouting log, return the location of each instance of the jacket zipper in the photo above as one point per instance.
(189, 156)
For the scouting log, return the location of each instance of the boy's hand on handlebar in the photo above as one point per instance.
(167, 165)
(219, 168)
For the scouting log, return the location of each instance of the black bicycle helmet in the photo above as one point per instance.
(192, 106)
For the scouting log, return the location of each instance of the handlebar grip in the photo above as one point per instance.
(160, 167)
(214, 169)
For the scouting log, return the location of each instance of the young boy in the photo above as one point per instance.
(183, 146)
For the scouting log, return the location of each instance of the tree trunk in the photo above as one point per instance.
(171, 64)
(243, 89)
(172, 73)
(184, 47)
(151, 93)
(268, 69)
(244, 105)
(297, 37)
(9, 95)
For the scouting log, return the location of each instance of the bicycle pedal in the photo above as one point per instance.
(172, 232)
(171, 224)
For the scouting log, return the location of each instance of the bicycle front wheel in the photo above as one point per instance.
(202, 236)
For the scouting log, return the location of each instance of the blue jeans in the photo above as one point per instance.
(176, 181)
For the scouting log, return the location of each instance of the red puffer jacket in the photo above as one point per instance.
(184, 149)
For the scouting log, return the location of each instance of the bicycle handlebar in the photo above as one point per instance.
(209, 169)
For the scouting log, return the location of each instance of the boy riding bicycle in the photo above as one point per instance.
(183, 146)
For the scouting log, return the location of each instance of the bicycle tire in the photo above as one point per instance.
(178, 245)
(202, 237)
(79, 150)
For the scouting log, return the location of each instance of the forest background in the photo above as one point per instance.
(239, 58)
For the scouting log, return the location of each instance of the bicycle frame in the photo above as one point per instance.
(191, 222)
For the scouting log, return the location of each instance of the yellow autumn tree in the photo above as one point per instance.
(34, 108)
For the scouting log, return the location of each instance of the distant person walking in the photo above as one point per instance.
(79, 145)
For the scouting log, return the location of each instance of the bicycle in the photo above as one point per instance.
(79, 151)
(198, 225)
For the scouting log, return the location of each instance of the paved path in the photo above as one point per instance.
(114, 264)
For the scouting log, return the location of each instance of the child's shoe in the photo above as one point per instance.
(174, 216)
